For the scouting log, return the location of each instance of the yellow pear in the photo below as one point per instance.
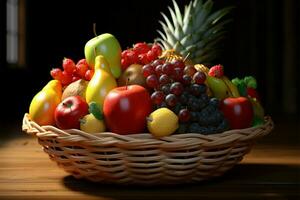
(101, 83)
(44, 103)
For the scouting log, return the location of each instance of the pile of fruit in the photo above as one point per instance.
(158, 88)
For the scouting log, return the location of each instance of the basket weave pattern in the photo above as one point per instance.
(142, 159)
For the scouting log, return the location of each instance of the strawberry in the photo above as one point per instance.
(216, 71)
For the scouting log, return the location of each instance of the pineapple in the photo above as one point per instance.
(195, 32)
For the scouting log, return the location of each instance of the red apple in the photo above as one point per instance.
(238, 111)
(125, 109)
(69, 112)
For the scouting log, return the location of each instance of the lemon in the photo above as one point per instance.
(162, 122)
(91, 124)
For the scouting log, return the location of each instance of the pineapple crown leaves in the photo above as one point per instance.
(197, 30)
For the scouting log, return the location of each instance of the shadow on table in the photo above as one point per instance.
(244, 181)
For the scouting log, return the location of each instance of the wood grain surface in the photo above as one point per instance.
(270, 171)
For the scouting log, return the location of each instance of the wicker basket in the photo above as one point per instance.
(140, 158)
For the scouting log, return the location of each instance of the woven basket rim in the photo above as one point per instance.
(78, 136)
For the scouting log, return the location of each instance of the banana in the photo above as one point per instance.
(234, 92)
(218, 87)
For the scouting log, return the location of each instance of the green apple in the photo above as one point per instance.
(107, 45)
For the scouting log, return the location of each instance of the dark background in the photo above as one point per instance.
(261, 41)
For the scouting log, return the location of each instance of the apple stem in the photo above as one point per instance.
(126, 85)
(94, 29)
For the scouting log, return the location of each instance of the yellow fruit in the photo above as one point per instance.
(90, 124)
(101, 83)
(43, 104)
(162, 122)
(101, 63)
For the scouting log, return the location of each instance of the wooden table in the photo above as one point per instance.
(270, 171)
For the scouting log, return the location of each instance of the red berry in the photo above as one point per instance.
(216, 71)
(132, 57)
(83, 62)
(199, 77)
(56, 74)
(141, 47)
(156, 49)
(124, 63)
(66, 78)
(143, 59)
(75, 78)
(151, 56)
(69, 65)
(125, 52)
(89, 74)
(81, 70)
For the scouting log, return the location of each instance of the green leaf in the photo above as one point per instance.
(178, 13)
(250, 82)
(169, 24)
(96, 110)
